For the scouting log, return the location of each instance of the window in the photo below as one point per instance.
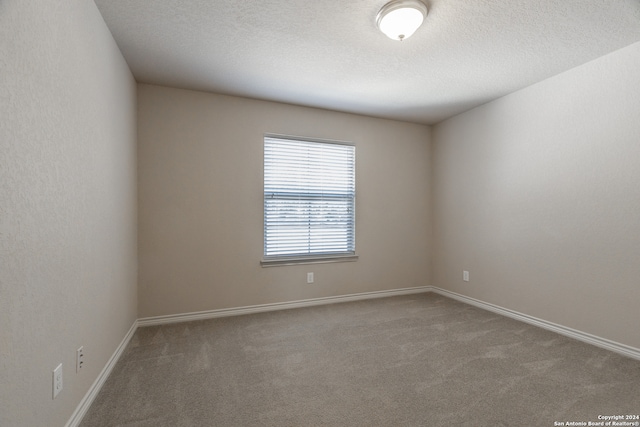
(309, 200)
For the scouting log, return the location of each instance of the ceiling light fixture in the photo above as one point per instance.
(399, 19)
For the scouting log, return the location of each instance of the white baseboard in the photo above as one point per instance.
(224, 312)
(93, 391)
(623, 349)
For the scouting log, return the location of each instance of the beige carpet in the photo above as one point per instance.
(418, 360)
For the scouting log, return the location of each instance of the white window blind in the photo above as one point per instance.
(309, 198)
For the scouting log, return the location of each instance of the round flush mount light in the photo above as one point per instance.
(399, 19)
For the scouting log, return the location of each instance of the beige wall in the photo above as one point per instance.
(537, 194)
(67, 204)
(201, 204)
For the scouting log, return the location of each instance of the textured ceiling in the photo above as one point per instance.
(329, 53)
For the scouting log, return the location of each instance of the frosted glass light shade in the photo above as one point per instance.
(399, 19)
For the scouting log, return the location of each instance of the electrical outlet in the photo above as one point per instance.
(79, 359)
(465, 275)
(309, 277)
(57, 380)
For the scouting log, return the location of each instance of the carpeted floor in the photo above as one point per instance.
(417, 360)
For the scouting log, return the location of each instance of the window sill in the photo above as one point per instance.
(307, 260)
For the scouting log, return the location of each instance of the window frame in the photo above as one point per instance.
(276, 260)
